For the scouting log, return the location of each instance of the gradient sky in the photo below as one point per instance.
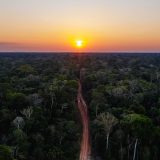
(104, 25)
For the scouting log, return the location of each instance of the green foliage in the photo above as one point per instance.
(39, 119)
(138, 125)
(5, 153)
(25, 69)
(16, 101)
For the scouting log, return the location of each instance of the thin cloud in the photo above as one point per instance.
(12, 46)
(8, 43)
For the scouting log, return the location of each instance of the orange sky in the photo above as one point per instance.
(112, 25)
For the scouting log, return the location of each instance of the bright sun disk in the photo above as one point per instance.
(79, 43)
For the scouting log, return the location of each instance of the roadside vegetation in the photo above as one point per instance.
(39, 119)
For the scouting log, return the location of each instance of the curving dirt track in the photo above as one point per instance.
(85, 142)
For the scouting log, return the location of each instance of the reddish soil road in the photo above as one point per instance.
(85, 142)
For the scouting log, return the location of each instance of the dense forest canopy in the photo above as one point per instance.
(39, 119)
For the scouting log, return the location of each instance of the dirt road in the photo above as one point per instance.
(85, 142)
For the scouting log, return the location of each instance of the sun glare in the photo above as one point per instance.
(79, 43)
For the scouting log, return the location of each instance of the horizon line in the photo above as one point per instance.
(92, 52)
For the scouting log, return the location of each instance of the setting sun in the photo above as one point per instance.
(79, 43)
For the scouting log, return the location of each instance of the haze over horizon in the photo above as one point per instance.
(105, 26)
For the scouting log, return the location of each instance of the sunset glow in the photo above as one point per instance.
(55, 25)
(79, 43)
